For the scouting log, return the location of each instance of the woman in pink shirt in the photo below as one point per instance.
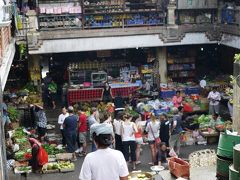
(177, 99)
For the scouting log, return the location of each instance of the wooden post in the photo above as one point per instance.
(236, 99)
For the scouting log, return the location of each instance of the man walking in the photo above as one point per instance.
(61, 119)
(70, 130)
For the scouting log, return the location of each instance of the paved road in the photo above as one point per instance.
(196, 174)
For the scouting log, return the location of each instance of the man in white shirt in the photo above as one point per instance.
(214, 98)
(105, 163)
(61, 119)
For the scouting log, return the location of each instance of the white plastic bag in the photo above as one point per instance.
(172, 153)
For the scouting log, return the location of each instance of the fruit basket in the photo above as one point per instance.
(50, 168)
(66, 166)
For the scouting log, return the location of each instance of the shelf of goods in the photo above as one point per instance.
(121, 13)
(84, 95)
(181, 68)
(123, 89)
(59, 15)
(193, 16)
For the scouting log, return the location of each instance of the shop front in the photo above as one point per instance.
(85, 76)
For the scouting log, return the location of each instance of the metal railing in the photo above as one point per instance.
(7, 13)
(3, 160)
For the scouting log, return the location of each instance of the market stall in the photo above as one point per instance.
(83, 95)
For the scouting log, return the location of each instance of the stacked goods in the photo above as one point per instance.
(235, 168)
(225, 153)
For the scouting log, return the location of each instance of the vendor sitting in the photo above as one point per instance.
(215, 120)
(177, 99)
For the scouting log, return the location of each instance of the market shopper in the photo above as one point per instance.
(177, 99)
(46, 81)
(164, 129)
(107, 93)
(52, 89)
(70, 129)
(34, 161)
(117, 124)
(105, 163)
(61, 119)
(176, 130)
(91, 121)
(139, 139)
(152, 129)
(41, 121)
(132, 101)
(82, 132)
(119, 101)
(128, 138)
(214, 98)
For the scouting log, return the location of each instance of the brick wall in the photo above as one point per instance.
(5, 36)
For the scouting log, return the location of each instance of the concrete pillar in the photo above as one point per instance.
(32, 20)
(219, 11)
(171, 12)
(161, 55)
(34, 68)
(236, 98)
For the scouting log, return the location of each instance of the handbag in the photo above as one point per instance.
(42, 156)
(157, 140)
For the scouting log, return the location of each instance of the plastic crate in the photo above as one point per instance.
(167, 94)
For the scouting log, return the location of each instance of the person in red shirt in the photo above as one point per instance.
(82, 131)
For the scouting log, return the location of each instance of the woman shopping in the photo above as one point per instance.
(139, 140)
(128, 139)
(152, 129)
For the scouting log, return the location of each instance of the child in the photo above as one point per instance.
(161, 158)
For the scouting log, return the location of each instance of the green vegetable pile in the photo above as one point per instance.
(19, 133)
(21, 140)
(24, 168)
(203, 120)
(13, 113)
(51, 150)
(19, 155)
